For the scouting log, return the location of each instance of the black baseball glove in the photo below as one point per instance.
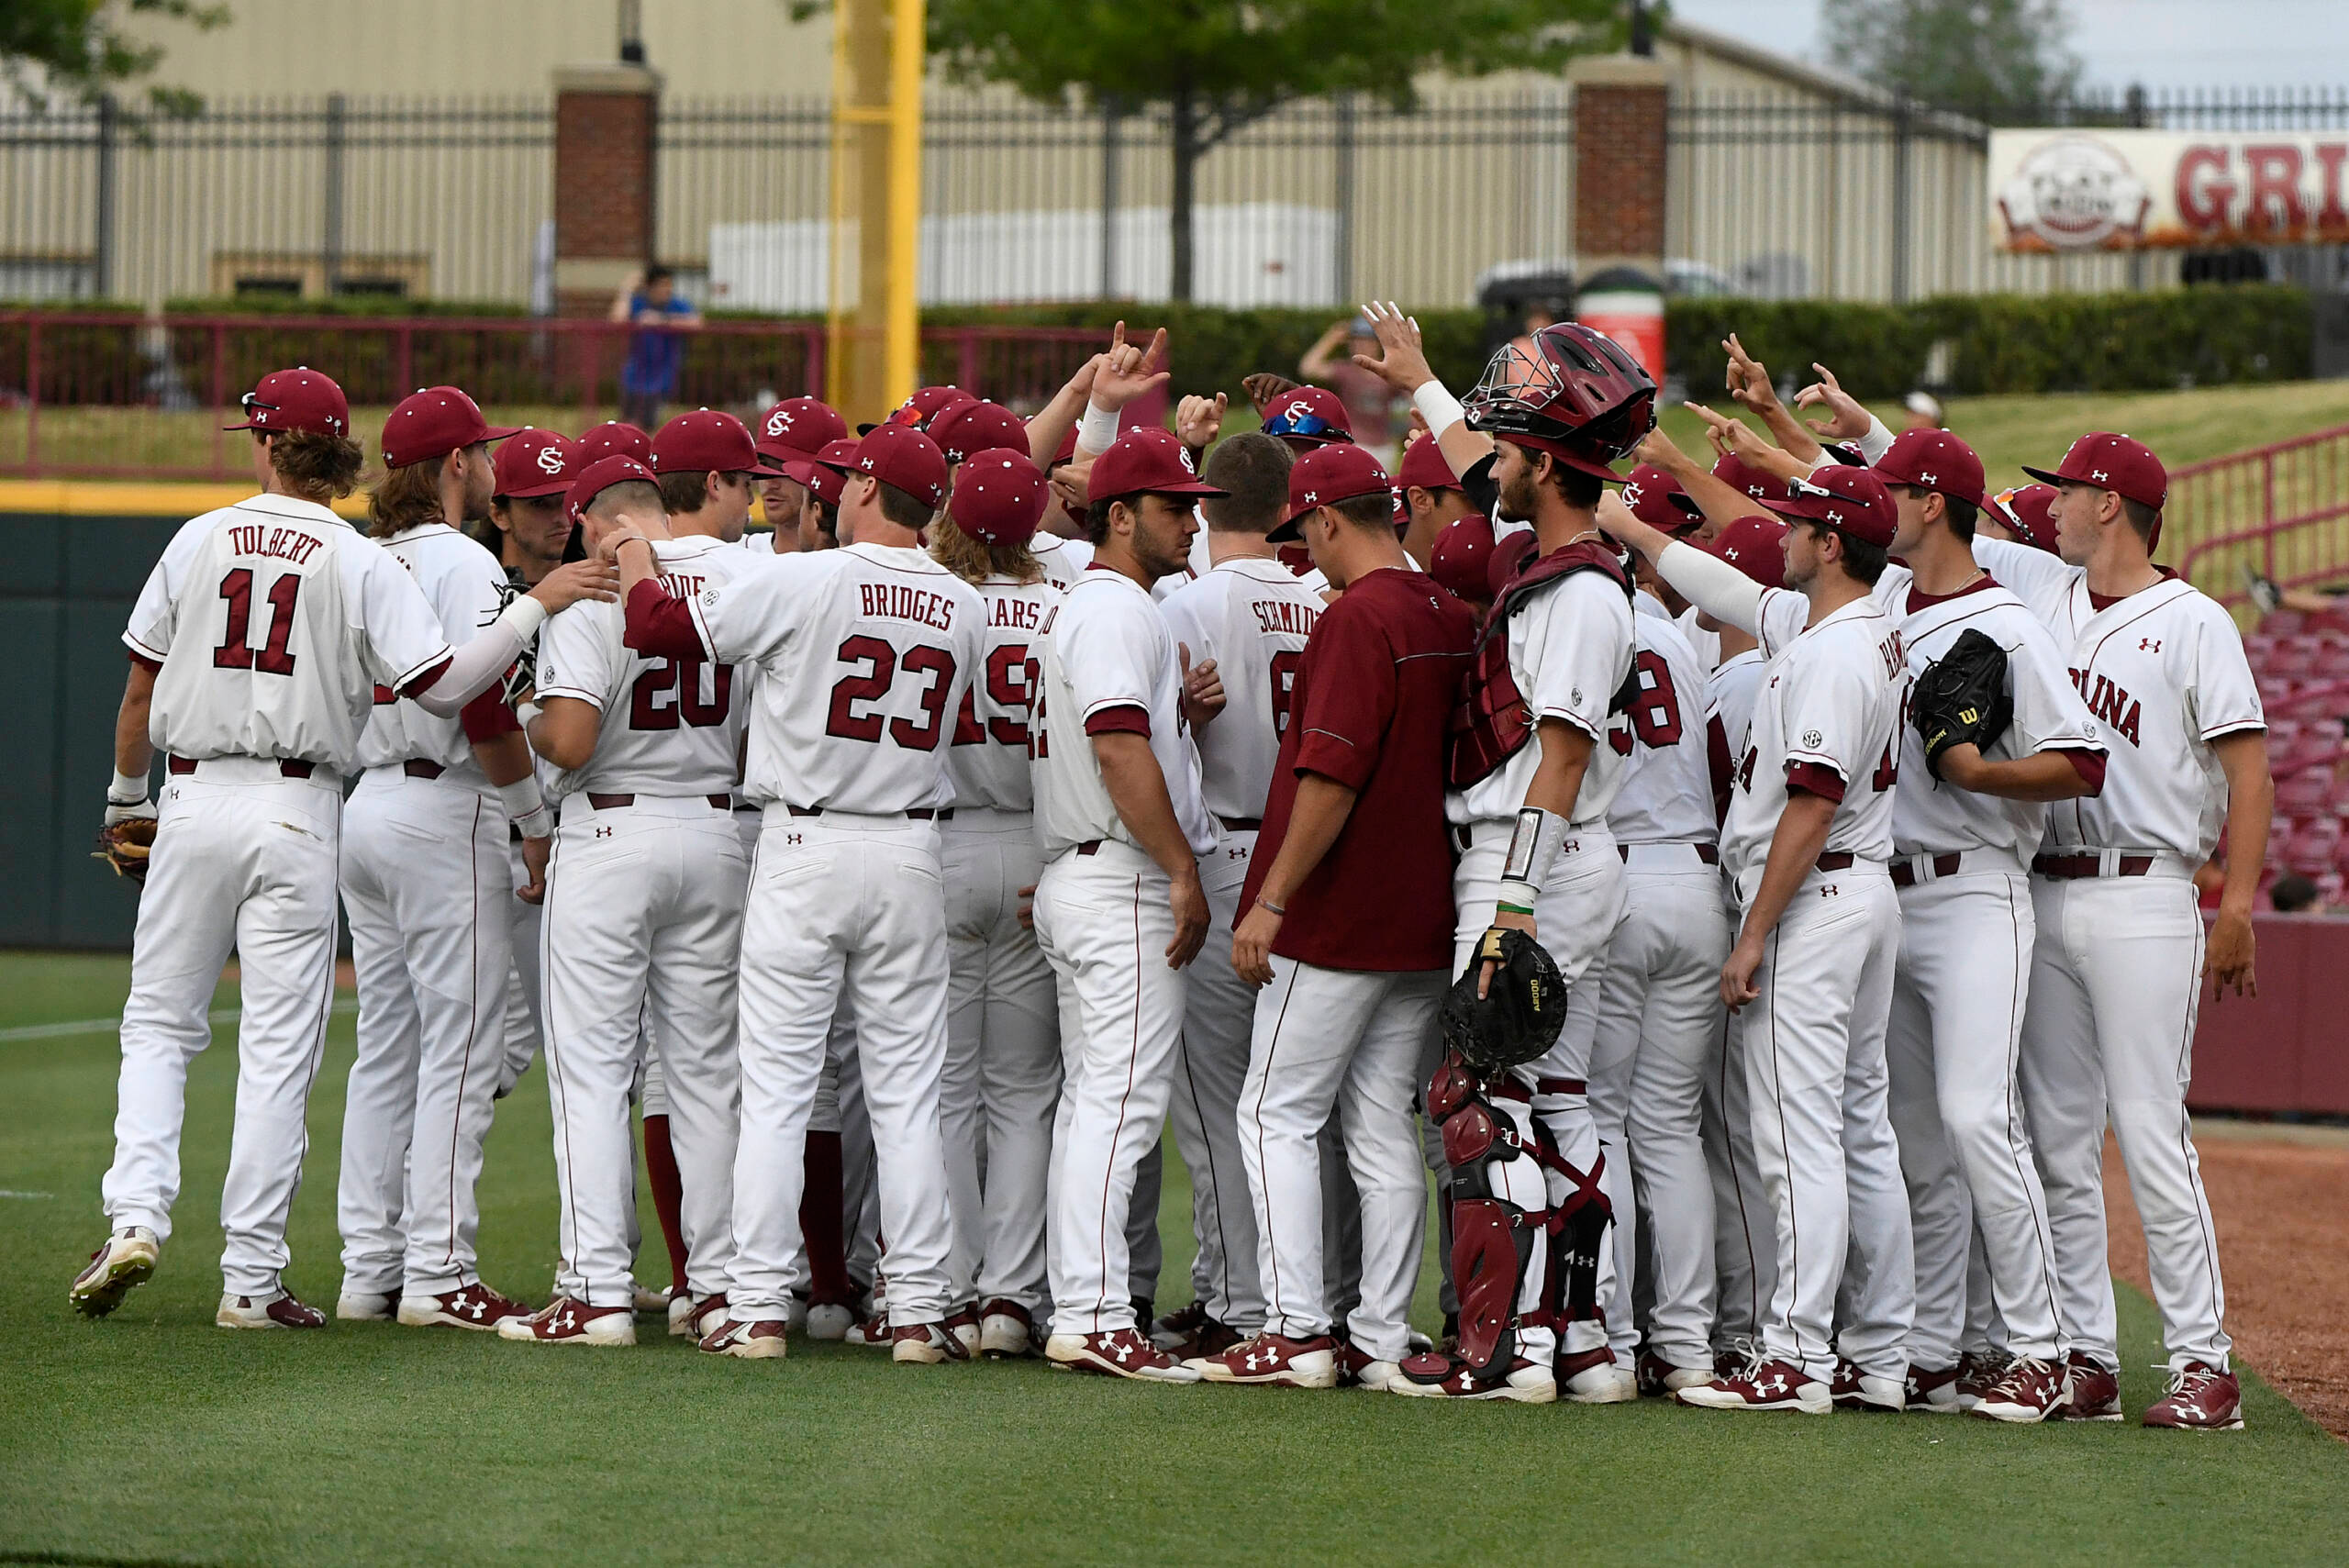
(1961, 699)
(1520, 1013)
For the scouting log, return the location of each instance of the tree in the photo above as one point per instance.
(77, 48)
(1994, 59)
(1219, 65)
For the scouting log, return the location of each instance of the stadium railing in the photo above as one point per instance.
(2281, 509)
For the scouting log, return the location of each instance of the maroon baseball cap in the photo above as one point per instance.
(599, 476)
(1462, 558)
(1738, 475)
(926, 403)
(705, 441)
(2028, 511)
(1307, 417)
(1660, 501)
(1326, 476)
(299, 399)
(798, 427)
(2112, 462)
(976, 427)
(433, 423)
(1145, 460)
(535, 462)
(1934, 460)
(1755, 546)
(1850, 500)
(902, 456)
(1423, 465)
(824, 473)
(615, 438)
(999, 496)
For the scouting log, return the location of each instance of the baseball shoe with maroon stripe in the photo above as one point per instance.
(1439, 1377)
(2032, 1391)
(927, 1344)
(1977, 1372)
(1274, 1359)
(1357, 1368)
(1171, 1330)
(762, 1341)
(1117, 1352)
(566, 1322)
(964, 1324)
(1763, 1385)
(697, 1319)
(367, 1306)
(1660, 1379)
(2095, 1394)
(1006, 1330)
(873, 1333)
(2201, 1398)
(1594, 1377)
(278, 1311)
(473, 1306)
(124, 1262)
(1932, 1390)
(1855, 1390)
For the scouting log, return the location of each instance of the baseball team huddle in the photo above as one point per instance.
(1752, 891)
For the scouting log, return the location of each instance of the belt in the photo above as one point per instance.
(1904, 873)
(1241, 823)
(1704, 852)
(1090, 847)
(417, 768)
(291, 767)
(2072, 868)
(918, 813)
(1838, 861)
(1511, 1089)
(614, 802)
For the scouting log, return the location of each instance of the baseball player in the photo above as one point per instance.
(1240, 629)
(864, 653)
(1119, 909)
(2117, 970)
(256, 648)
(1806, 840)
(1003, 1076)
(795, 430)
(428, 892)
(1428, 499)
(613, 438)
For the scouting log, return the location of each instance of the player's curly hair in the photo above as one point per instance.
(405, 497)
(973, 560)
(313, 465)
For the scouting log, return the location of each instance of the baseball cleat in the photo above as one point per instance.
(1116, 1353)
(794, 1313)
(680, 1307)
(566, 1322)
(1177, 1326)
(927, 1344)
(1593, 1377)
(1855, 1390)
(1763, 1385)
(648, 1299)
(1661, 1379)
(2032, 1391)
(762, 1340)
(829, 1320)
(473, 1306)
(1274, 1359)
(2094, 1395)
(1005, 1330)
(1977, 1372)
(2201, 1398)
(278, 1311)
(124, 1262)
(964, 1324)
(873, 1333)
(1357, 1368)
(1933, 1391)
(366, 1305)
(1434, 1376)
(691, 1319)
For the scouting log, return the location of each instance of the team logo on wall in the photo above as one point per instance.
(2074, 193)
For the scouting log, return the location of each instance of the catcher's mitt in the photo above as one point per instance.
(125, 845)
(1522, 1012)
(1962, 698)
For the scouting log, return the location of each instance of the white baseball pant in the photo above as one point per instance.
(1348, 1041)
(1219, 1019)
(642, 930)
(1745, 1254)
(843, 905)
(2115, 983)
(1104, 921)
(1823, 1137)
(525, 1021)
(1656, 1030)
(244, 861)
(1957, 1027)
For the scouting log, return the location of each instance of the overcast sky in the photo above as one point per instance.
(2163, 43)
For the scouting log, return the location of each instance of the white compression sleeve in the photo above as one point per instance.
(1713, 585)
(474, 666)
(1877, 442)
(1437, 406)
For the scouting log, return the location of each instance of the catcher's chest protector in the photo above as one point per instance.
(1489, 722)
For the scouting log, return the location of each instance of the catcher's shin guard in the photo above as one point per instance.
(1492, 1238)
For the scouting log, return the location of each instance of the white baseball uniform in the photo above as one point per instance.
(1659, 1007)
(1252, 615)
(270, 624)
(1569, 650)
(1063, 559)
(642, 930)
(1744, 1251)
(523, 1016)
(864, 653)
(1003, 1054)
(1960, 985)
(2116, 974)
(1106, 663)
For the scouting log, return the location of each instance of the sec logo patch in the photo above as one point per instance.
(1813, 738)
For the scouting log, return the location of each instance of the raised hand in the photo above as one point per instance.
(1198, 420)
(1749, 381)
(1265, 387)
(1128, 373)
(1846, 421)
(1402, 364)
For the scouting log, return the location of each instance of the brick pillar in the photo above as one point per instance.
(604, 118)
(1619, 164)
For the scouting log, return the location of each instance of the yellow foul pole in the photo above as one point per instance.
(872, 347)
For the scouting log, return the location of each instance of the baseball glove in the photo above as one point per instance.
(125, 845)
(1962, 698)
(1520, 1013)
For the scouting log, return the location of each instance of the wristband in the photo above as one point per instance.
(1097, 432)
(536, 824)
(1511, 891)
(128, 789)
(528, 712)
(1437, 406)
(1531, 850)
(1279, 909)
(523, 618)
(522, 798)
(622, 542)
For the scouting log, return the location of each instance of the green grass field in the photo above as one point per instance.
(152, 1437)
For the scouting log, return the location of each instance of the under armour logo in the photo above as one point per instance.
(1122, 1349)
(868, 463)
(473, 1308)
(1833, 515)
(1313, 497)
(791, 837)
(1924, 479)
(2149, 645)
(1771, 1386)
(1257, 1358)
(603, 832)
(549, 461)
(2096, 473)
(1733, 553)
(566, 1322)
(1830, 891)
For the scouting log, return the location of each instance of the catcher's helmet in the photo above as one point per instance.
(1577, 397)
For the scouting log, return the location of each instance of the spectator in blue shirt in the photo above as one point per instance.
(649, 375)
